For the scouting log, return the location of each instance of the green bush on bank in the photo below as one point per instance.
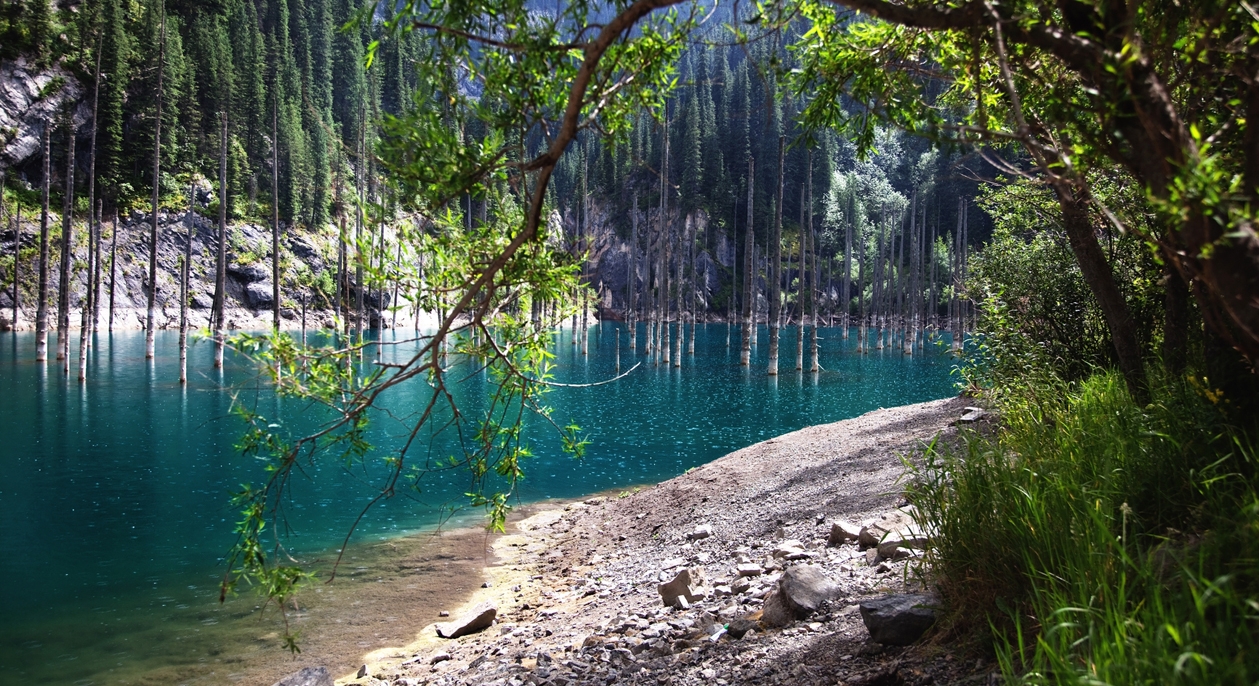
(1102, 542)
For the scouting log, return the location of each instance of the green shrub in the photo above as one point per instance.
(1099, 541)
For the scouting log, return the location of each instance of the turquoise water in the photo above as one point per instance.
(114, 513)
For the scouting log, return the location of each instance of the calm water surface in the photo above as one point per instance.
(114, 513)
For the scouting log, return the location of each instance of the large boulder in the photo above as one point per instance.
(259, 295)
(476, 619)
(248, 273)
(801, 591)
(307, 676)
(898, 620)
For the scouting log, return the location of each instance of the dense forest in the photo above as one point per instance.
(1059, 197)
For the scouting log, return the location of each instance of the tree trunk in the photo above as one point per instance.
(813, 267)
(183, 287)
(113, 268)
(218, 315)
(151, 320)
(1175, 322)
(67, 250)
(41, 311)
(275, 209)
(631, 281)
(776, 256)
(17, 262)
(745, 351)
(801, 267)
(1101, 281)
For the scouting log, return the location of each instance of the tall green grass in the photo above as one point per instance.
(1101, 542)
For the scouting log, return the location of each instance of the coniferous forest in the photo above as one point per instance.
(815, 341)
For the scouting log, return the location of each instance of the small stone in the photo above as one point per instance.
(805, 588)
(842, 532)
(488, 584)
(479, 618)
(307, 676)
(362, 672)
(672, 562)
(898, 619)
(740, 585)
(443, 613)
(701, 531)
(749, 569)
(971, 415)
(788, 547)
(738, 628)
(872, 557)
(440, 656)
(678, 588)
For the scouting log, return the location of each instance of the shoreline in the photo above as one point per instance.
(574, 582)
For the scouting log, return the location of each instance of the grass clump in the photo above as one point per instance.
(1101, 542)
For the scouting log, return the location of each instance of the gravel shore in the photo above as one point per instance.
(575, 586)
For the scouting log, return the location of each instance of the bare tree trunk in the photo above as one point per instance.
(183, 287)
(801, 268)
(151, 320)
(218, 315)
(813, 269)
(275, 208)
(773, 275)
(863, 333)
(67, 250)
(41, 311)
(631, 297)
(85, 312)
(745, 350)
(17, 262)
(113, 268)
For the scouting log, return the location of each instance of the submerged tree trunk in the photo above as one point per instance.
(17, 262)
(801, 267)
(113, 268)
(220, 257)
(813, 268)
(151, 319)
(275, 213)
(41, 310)
(745, 350)
(67, 249)
(183, 287)
(775, 265)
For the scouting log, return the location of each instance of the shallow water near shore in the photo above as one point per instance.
(114, 512)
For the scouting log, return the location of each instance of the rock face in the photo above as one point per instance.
(308, 676)
(258, 295)
(800, 593)
(477, 619)
(898, 620)
(29, 97)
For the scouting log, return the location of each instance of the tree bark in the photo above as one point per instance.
(1101, 281)
(745, 351)
(275, 208)
(220, 256)
(775, 262)
(67, 249)
(41, 311)
(1175, 322)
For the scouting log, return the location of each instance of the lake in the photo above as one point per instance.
(114, 504)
